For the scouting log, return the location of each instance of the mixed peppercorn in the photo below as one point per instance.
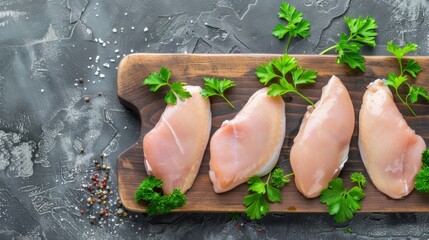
(100, 192)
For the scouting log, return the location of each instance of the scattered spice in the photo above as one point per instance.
(92, 219)
(87, 98)
(100, 192)
(80, 80)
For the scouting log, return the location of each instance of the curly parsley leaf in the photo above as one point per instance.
(263, 192)
(411, 67)
(425, 158)
(296, 25)
(158, 204)
(146, 190)
(358, 178)
(421, 182)
(342, 203)
(362, 32)
(216, 87)
(157, 80)
(279, 68)
(278, 178)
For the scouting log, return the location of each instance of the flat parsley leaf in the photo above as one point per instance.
(158, 204)
(257, 206)
(416, 92)
(412, 68)
(256, 185)
(279, 68)
(261, 192)
(296, 25)
(265, 73)
(362, 32)
(399, 52)
(342, 203)
(216, 87)
(157, 80)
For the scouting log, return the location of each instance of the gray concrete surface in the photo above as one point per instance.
(46, 46)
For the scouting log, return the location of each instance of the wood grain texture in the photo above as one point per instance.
(241, 68)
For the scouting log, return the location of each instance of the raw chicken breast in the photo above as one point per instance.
(174, 148)
(390, 149)
(322, 145)
(249, 144)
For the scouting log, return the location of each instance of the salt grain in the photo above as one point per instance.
(102, 75)
(145, 29)
(106, 65)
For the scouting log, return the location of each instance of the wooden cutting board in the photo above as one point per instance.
(191, 68)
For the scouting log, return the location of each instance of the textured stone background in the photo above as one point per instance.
(45, 46)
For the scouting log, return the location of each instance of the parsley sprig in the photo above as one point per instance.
(158, 203)
(216, 87)
(157, 80)
(279, 68)
(256, 202)
(421, 182)
(296, 25)
(362, 31)
(412, 68)
(342, 203)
